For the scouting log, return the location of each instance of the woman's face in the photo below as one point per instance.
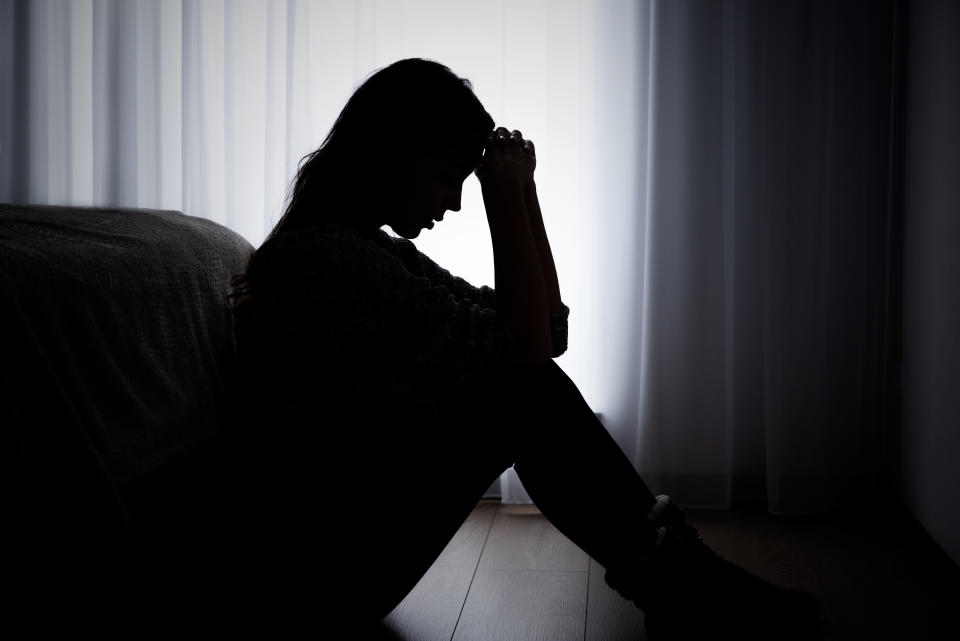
(420, 194)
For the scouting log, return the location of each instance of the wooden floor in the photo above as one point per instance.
(509, 574)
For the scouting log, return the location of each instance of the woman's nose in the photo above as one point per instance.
(453, 203)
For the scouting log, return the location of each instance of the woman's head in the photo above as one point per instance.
(397, 154)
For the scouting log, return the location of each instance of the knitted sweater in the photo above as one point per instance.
(346, 327)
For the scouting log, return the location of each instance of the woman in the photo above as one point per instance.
(368, 373)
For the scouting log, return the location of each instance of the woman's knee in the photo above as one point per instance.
(523, 400)
(540, 388)
(504, 378)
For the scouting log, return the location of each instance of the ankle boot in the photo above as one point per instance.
(686, 589)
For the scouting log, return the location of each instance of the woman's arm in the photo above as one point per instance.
(521, 293)
(547, 266)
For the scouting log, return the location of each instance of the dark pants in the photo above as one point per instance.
(283, 524)
(412, 497)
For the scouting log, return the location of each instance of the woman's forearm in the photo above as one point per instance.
(521, 294)
(547, 266)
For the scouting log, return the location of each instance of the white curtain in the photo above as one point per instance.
(763, 311)
(711, 184)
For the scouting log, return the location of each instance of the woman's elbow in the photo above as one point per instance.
(533, 352)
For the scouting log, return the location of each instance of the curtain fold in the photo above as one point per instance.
(766, 252)
(714, 178)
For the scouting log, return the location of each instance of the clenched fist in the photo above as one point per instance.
(508, 160)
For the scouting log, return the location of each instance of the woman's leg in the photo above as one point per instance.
(571, 467)
(407, 497)
(582, 482)
(418, 491)
(372, 527)
(533, 417)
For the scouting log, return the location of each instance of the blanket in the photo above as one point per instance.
(116, 348)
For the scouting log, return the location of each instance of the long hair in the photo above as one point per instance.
(399, 113)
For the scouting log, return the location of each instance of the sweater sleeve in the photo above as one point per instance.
(484, 296)
(421, 264)
(558, 330)
(383, 338)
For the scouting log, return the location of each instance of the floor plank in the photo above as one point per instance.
(521, 538)
(774, 548)
(880, 581)
(874, 575)
(466, 546)
(515, 605)
(869, 570)
(431, 610)
(610, 617)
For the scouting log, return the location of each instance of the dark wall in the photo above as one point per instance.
(930, 440)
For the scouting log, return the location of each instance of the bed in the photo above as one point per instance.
(115, 373)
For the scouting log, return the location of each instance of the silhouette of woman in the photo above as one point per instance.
(380, 396)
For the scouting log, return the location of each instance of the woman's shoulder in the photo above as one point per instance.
(319, 239)
(327, 248)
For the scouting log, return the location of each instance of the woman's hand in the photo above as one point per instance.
(508, 161)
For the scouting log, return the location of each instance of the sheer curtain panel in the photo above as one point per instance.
(762, 263)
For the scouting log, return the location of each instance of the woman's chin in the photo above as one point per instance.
(411, 230)
(407, 232)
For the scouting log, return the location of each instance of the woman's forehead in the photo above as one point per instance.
(463, 155)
